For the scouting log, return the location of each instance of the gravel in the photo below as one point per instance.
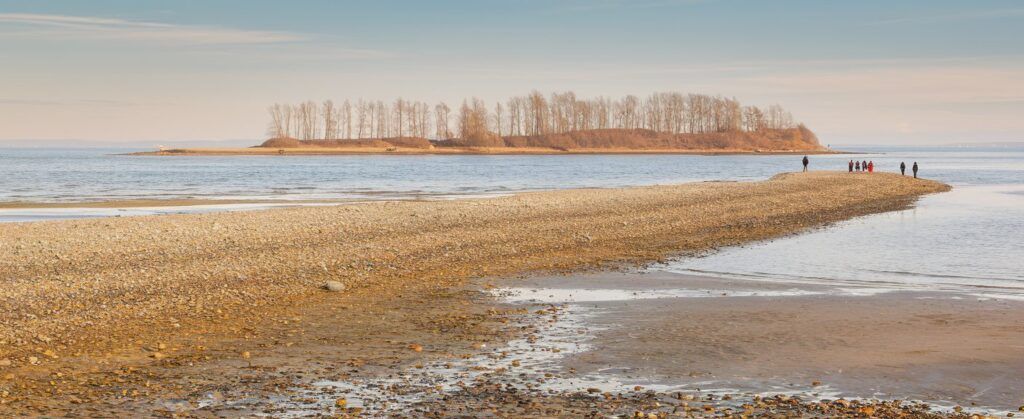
(93, 286)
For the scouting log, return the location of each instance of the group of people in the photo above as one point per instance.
(865, 166)
(868, 166)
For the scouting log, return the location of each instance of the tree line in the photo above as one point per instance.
(531, 115)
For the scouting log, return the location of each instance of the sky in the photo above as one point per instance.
(856, 72)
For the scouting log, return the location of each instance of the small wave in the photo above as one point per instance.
(947, 276)
(1008, 291)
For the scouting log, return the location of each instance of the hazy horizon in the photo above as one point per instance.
(146, 73)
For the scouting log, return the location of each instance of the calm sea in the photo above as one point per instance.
(970, 237)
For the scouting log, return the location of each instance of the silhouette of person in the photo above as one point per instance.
(915, 170)
(806, 161)
(864, 166)
(857, 166)
(851, 166)
(903, 168)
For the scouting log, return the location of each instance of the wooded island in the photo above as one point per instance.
(664, 122)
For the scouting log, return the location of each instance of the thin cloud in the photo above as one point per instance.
(590, 6)
(64, 26)
(76, 102)
(984, 14)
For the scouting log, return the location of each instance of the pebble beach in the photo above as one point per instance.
(113, 313)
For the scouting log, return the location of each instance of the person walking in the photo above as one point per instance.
(915, 170)
(871, 167)
(851, 166)
(903, 168)
(806, 161)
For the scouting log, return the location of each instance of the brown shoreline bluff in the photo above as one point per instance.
(98, 286)
(798, 140)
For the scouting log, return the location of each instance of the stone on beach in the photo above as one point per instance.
(334, 286)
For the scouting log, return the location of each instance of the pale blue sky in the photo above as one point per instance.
(867, 72)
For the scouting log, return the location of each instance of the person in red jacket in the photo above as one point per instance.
(871, 167)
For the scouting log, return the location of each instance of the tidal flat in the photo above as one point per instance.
(226, 311)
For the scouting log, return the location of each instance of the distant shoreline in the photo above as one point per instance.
(798, 140)
(501, 151)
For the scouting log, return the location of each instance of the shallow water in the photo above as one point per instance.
(48, 214)
(968, 239)
(63, 175)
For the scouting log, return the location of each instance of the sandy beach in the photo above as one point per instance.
(162, 313)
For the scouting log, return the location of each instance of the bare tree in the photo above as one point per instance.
(361, 112)
(441, 115)
(399, 111)
(496, 125)
(346, 120)
(531, 115)
(279, 120)
(329, 118)
(538, 110)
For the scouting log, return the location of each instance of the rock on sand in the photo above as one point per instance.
(334, 286)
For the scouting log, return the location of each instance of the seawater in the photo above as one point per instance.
(970, 237)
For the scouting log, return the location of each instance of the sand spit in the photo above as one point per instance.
(174, 290)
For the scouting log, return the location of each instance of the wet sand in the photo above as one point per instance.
(226, 312)
(945, 348)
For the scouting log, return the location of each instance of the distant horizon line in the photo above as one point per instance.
(81, 143)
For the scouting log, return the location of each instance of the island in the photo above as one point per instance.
(661, 123)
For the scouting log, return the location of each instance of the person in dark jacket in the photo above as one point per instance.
(856, 166)
(903, 168)
(864, 166)
(806, 161)
(915, 170)
(851, 166)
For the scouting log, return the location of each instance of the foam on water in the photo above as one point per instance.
(47, 214)
(563, 295)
